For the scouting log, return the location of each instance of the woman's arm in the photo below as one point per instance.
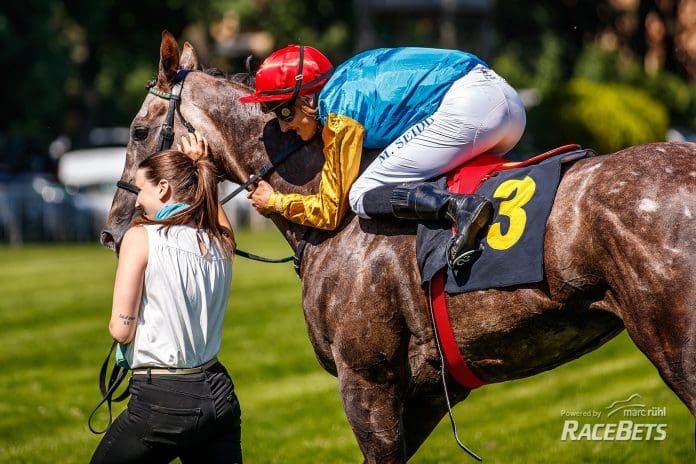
(223, 220)
(128, 286)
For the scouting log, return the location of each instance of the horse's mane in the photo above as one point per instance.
(246, 79)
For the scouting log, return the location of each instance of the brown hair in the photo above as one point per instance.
(194, 182)
(308, 104)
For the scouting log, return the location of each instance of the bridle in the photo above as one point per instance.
(166, 135)
(166, 139)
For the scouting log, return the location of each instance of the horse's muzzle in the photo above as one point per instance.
(107, 239)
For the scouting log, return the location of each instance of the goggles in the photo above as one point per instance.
(285, 111)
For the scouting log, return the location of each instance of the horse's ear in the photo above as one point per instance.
(189, 57)
(169, 61)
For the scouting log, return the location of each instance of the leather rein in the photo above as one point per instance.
(166, 138)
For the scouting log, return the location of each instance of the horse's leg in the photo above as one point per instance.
(629, 233)
(658, 312)
(372, 407)
(659, 315)
(424, 405)
(669, 341)
(422, 411)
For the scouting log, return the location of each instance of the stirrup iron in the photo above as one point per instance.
(463, 259)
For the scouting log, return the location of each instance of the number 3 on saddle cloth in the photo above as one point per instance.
(522, 194)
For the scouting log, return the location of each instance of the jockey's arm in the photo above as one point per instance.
(343, 139)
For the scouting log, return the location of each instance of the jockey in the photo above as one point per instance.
(432, 109)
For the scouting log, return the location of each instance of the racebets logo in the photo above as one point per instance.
(621, 428)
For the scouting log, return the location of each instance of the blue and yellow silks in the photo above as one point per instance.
(371, 100)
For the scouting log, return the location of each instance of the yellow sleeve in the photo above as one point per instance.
(343, 139)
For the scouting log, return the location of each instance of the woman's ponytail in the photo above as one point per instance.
(194, 182)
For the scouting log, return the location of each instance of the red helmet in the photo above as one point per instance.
(289, 72)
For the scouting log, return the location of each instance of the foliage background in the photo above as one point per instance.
(72, 65)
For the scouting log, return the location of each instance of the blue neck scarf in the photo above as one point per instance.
(169, 210)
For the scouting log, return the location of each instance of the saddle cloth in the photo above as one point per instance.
(522, 194)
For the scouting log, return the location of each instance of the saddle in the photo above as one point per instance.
(468, 177)
(522, 195)
(515, 255)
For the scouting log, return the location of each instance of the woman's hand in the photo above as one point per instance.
(259, 197)
(193, 145)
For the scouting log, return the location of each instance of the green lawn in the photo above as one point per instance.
(54, 308)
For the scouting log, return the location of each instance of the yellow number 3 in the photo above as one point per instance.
(513, 209)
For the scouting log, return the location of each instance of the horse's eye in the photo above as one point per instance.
(140, 133)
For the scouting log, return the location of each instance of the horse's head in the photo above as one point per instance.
(207, 103)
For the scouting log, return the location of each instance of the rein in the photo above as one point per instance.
(166, 138)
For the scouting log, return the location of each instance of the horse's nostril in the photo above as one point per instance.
(107, 240)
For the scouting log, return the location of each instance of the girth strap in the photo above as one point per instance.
(456, 364)
(436, 299)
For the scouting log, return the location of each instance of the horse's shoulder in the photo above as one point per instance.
(374, 237)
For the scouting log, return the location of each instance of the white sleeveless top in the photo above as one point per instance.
(183, 302)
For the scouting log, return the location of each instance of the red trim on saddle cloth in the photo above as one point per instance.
(455, 362)
(467, 179)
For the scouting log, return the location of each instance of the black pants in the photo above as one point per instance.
(195, 417)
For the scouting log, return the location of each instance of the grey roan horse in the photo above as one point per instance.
(620, 252)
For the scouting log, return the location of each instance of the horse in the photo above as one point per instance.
(619, 253)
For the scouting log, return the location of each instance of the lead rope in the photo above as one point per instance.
(107, 389)
(444, 379)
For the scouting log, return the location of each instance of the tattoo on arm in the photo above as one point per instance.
(126, 319)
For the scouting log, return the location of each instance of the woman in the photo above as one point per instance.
(432, 109)
(170, 297)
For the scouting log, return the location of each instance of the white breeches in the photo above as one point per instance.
(480, 113)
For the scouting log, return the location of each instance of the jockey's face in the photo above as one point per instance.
(305, 125)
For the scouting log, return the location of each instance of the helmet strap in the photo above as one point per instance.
(298, 77)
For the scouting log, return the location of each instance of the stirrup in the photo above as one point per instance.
(463, 259)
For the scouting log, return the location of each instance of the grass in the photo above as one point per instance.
(54, 308)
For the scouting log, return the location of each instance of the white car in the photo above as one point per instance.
(91, 175)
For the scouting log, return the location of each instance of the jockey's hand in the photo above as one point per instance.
(259, 197)
(193, 145)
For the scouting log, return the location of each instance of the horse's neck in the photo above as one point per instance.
(233, 129)
(300, 172)
(239, 152)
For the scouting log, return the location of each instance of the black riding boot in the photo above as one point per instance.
(468, 213)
